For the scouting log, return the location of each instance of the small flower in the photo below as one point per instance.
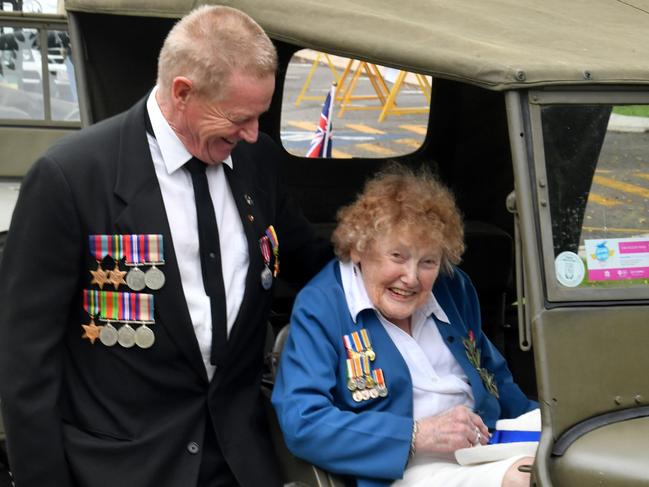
(473, 354)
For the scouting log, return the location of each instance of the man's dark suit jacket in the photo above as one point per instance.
(86, 414)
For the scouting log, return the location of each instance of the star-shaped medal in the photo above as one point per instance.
(99, 276)
(91, 331)
(117, 277)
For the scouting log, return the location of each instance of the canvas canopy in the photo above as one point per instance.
(497, 44)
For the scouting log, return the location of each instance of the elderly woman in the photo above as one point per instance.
(386, 371)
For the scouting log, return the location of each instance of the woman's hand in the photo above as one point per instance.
(451, 430)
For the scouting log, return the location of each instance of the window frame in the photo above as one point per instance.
(555, 292)
(42, 24)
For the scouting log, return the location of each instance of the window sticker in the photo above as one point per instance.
(569, 269)
(615, 259)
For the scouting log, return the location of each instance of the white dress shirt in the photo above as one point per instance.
(439, 382)
(169, 155)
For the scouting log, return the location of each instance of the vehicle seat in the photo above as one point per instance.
(488, 260)
(295, 472)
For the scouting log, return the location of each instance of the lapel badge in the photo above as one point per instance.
(473, 354)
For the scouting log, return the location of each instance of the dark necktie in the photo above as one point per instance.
(210, 253)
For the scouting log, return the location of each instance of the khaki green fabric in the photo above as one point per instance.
(498, 44)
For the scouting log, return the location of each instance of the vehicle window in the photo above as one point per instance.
(27, 91)
(63, 90)
(597, 165)
(376, 111)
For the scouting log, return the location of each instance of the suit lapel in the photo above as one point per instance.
(137, 185)
(453, 334)
(249, 201)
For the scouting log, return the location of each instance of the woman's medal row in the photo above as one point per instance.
(363, 382)
(359, 344)
(366, 386)
(134, 250)
(124, 309)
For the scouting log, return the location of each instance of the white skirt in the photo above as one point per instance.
(429, 471)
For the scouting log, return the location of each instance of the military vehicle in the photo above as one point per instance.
(537, 118)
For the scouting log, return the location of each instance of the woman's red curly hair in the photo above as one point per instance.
(397, 201)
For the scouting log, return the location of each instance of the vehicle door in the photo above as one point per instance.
(582, 199)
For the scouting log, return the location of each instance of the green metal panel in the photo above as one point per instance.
(614, 455)
(21, 146)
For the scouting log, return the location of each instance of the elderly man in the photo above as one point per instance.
(136, 280)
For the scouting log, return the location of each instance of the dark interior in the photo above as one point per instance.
(467, 145)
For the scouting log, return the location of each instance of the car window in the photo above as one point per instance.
(597, 167)
(28, 91)
(375, 112)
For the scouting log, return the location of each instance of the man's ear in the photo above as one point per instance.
(181, 91)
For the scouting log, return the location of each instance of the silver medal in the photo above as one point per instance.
(154, 278)
(135, 279)
(108, 335)
(144, 337)
(126, 336)
(266, 278)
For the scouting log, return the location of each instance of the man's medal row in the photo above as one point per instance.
(363, 382)
(267, 243)
(126, 310)
(133, 251)
(121, 318)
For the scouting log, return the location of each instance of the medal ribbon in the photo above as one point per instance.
(350, 370)
(138, 249)
(135, 250)
(366, 339)
(264, 244)
(143, 249)
(366, 366)
(103, 245)
(91, 302)
(155, 249)
(357, 343)
(121, 307)
(358, 368)
(272, 236)
(348, 346)
(378, 376)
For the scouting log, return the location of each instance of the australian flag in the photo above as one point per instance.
(321, 142)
